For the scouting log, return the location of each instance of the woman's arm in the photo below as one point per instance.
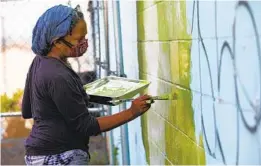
(26, 102)
(139, 106)
(69, 100)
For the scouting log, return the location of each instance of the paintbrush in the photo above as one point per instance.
(167, 96)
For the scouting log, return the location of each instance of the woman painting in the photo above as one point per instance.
(54, 96)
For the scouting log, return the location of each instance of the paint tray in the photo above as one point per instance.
(110, 89)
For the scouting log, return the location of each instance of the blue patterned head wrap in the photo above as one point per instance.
(56, 22)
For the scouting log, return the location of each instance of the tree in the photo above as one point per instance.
(11, 103)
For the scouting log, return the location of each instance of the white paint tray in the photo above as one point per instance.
(111, 88)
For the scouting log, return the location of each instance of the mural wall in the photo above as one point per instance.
(208, 53)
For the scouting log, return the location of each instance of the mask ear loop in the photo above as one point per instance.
(66, 42)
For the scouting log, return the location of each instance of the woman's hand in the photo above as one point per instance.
(140, 105)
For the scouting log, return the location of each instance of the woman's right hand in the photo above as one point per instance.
(140, 105)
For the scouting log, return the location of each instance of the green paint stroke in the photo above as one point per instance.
(143, 5)
(142, 70)
(145, 139)
(179, 149)
(140, 26)
(172, 20)
(172, 26)
(144, 126)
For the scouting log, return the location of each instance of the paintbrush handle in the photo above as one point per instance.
(152, 98)
(157, 98)
(149, 100)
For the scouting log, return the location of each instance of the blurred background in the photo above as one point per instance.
(207, 52)
(18, 18)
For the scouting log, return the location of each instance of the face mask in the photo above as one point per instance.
(78, 49)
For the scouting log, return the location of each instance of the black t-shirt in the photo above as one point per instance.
(54, 97)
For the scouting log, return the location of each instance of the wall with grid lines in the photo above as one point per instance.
(208, 53)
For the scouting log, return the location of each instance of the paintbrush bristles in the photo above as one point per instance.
(165, 97)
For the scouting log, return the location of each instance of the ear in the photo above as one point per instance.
(57, 43)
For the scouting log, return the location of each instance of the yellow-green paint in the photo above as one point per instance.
(180, 142)
(142, 5)
(140, 27)
(116, 88)
(172, 22)
(145, 136)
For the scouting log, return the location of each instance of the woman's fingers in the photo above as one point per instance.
(141, 104)
(145, 97)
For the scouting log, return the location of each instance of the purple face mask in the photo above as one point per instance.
(78, 49)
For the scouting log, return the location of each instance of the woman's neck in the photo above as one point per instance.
(59, 57)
